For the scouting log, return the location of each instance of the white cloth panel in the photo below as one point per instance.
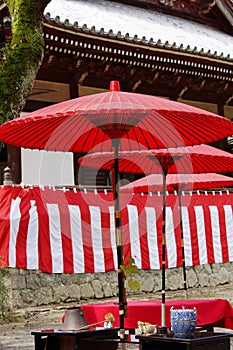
(76, 237)
(201, 234)
(55, 238)
(229, 229)
(97, 238)
(187, 237)
(170, 239)
(152, 237)
(214, 217)
(15, 217)
(33, 238)
(113, 235)
(134, 234)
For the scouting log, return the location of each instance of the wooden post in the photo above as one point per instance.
(14, 162)
(118, 231)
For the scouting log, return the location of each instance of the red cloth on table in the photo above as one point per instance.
(217, 312)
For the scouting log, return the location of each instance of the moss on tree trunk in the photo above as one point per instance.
(22, 57)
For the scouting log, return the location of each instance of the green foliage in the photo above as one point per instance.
(129, 268)
(133, 284)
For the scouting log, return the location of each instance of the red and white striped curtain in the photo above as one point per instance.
(58, 231)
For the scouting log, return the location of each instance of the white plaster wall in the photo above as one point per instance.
(47, 168)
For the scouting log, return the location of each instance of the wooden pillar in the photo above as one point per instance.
(14, 162)
(221, 144)
(74, 91)
(220, 104)
(173, 96)
(76, 166)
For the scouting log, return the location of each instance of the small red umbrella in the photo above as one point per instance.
(115, 119)
(181, 182)
(195, 160)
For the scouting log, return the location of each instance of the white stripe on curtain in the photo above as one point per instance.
(76, 237)
(113, 235)
(229, 229)
(152, 237)
(187, 237)
(214, 218)
(170, 239)
(200, 221)
(15, 216)
(96, 231)
(55, 238)
(134, 234)
(33, 238)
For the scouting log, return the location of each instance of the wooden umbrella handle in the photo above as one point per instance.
(90, 325)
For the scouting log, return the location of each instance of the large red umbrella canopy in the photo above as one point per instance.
(194, 159)
(184, 182)
(90, 122)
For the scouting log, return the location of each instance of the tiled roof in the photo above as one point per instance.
(129, 23)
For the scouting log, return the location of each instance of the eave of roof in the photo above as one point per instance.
(226, 7)
(109, 19)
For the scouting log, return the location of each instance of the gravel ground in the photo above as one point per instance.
(17, 336)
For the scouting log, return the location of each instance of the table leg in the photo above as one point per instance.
(40, 342)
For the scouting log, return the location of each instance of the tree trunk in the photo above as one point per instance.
(22, 57)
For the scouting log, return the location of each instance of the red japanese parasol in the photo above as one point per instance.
(115, 119)
(183, 182)
(140, 121)
(195, 160)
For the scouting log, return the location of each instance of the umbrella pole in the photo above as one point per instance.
(182, 246)
(118, 232)
(163, 307)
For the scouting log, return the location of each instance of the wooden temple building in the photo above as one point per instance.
(177, 49)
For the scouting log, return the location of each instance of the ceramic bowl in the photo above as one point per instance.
(149, 329)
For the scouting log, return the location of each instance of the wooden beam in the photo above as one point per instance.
(14, 162)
